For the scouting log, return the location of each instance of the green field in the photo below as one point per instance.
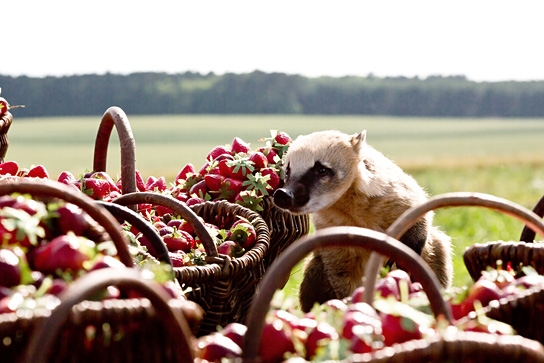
(503, 157)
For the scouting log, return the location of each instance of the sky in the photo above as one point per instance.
(482, 40)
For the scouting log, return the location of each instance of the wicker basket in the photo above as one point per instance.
(452, 346)
(152, 328)
(16, 327)
(224, 287)
(285, 228)
(5, 124)
(523, 312)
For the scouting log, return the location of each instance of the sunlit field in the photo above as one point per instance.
(503, 157)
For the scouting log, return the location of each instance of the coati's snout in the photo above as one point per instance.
(292, 200)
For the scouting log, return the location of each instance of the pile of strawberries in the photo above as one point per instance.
(46, 246)
(234, 172)
(338, 329)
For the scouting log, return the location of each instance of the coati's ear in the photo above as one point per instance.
(358, 141)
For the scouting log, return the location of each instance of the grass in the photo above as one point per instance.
(502, 157)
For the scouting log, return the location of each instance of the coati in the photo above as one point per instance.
(343, 181)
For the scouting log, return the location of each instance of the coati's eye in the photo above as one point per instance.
(287, 172)
(321, 170)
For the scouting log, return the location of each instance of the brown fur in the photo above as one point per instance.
(343, 181)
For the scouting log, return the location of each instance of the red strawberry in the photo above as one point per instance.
(274, 180)
(271, 154)
(213, 182)
(10, 271)
(4, 106)
(194, 200)
(38, 171)
(224, 168)
(259, 160)
(229, 248)
(216, 152)
(65, 252)
(179, 240)
(282, 138)
(200, 189)
(182, 174)
(243, 233)
(67, 178)
(9, 168)
(157, 185)
(231, 188)
(177, 258)
(97, 189)
(241, 168)
(239, 146)
(105, 176)
(140, 184)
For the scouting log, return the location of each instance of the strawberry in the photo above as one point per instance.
(9, 168)
(65, 252)
(274, 179)
(177, 258)
(241, 167)
(182, 174)
(239, 146)
(282, 138)
(217, 151)
(140, 184)
(97, 189)
(259, 160)
(200, 189)
(213, 182)
(243, 233)
(67, 178)
(230, 189)
(229, 248)
(178, 240)
(4, 106)
(105, 176)
(194, 200)
(157, 185)
(10, 271)
(38, 171)
(271, 154)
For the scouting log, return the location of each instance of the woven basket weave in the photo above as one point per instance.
(152, 328)
(224, 287)
(16, 327)
(452, 346)
(524, 311)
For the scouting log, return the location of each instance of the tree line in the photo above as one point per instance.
(271, 93)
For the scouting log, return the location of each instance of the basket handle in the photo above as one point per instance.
(178, 208)
(50, 188)
(82, 289)
(116, 116)
(527, 234)
(335, 237)
(123, 213)
(455, 199)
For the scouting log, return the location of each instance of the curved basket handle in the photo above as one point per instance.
(335, 237)
(5, 124)
(527, 234)
(50, 188)
(82, 289)
(455, 199)
(116, 116)
(126, 214)
(178, 208)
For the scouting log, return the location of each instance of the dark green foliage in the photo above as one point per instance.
(272, 93)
